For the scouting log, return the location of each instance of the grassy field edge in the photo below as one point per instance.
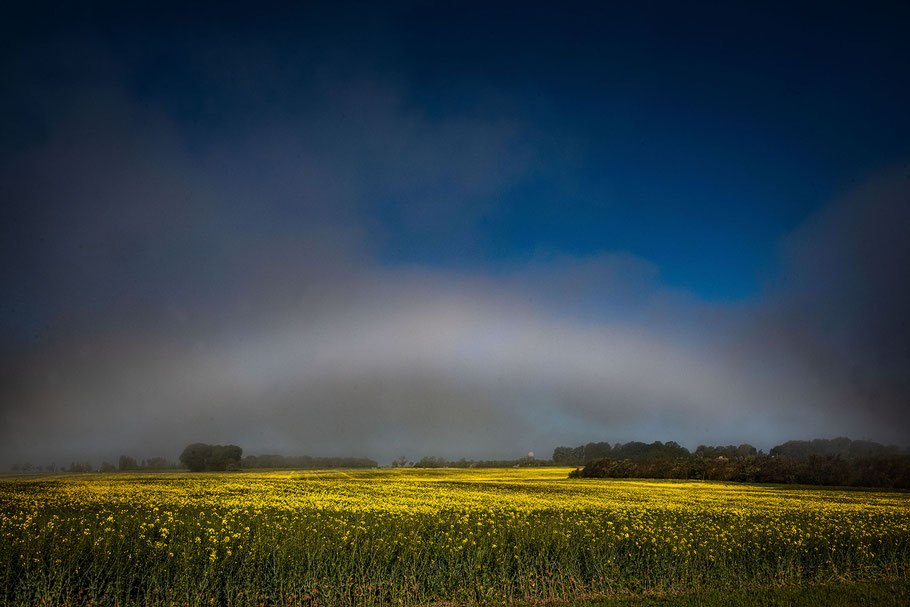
(883, 592)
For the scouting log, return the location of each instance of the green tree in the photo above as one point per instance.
(194, 456)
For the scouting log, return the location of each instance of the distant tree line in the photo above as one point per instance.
(200, 457)
(634, 450)
(439, 462)
(306, 462)
(795, 450)
(129, 464)
(839, 462)
(28, 467)
(125, 463)
(840, 447)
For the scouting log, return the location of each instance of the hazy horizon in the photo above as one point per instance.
(453, 230)
(113, 457)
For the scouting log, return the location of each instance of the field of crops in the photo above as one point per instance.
(418, 537)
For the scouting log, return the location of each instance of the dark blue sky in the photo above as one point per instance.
(694, 136)
(187, 162)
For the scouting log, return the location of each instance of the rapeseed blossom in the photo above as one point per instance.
(416, 536)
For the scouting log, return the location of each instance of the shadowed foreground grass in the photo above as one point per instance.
(880, 593)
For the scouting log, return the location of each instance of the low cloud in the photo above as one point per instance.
(164, 295)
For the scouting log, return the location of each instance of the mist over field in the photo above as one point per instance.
(305, 242)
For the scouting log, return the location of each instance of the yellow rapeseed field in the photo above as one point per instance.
(408, 536)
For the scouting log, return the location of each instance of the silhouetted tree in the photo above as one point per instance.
(563, 456)
(193, 456)
(224, 457)
(199, 456)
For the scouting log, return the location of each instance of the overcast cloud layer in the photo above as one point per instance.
(164, 288)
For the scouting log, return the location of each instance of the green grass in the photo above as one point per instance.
(880, 593)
